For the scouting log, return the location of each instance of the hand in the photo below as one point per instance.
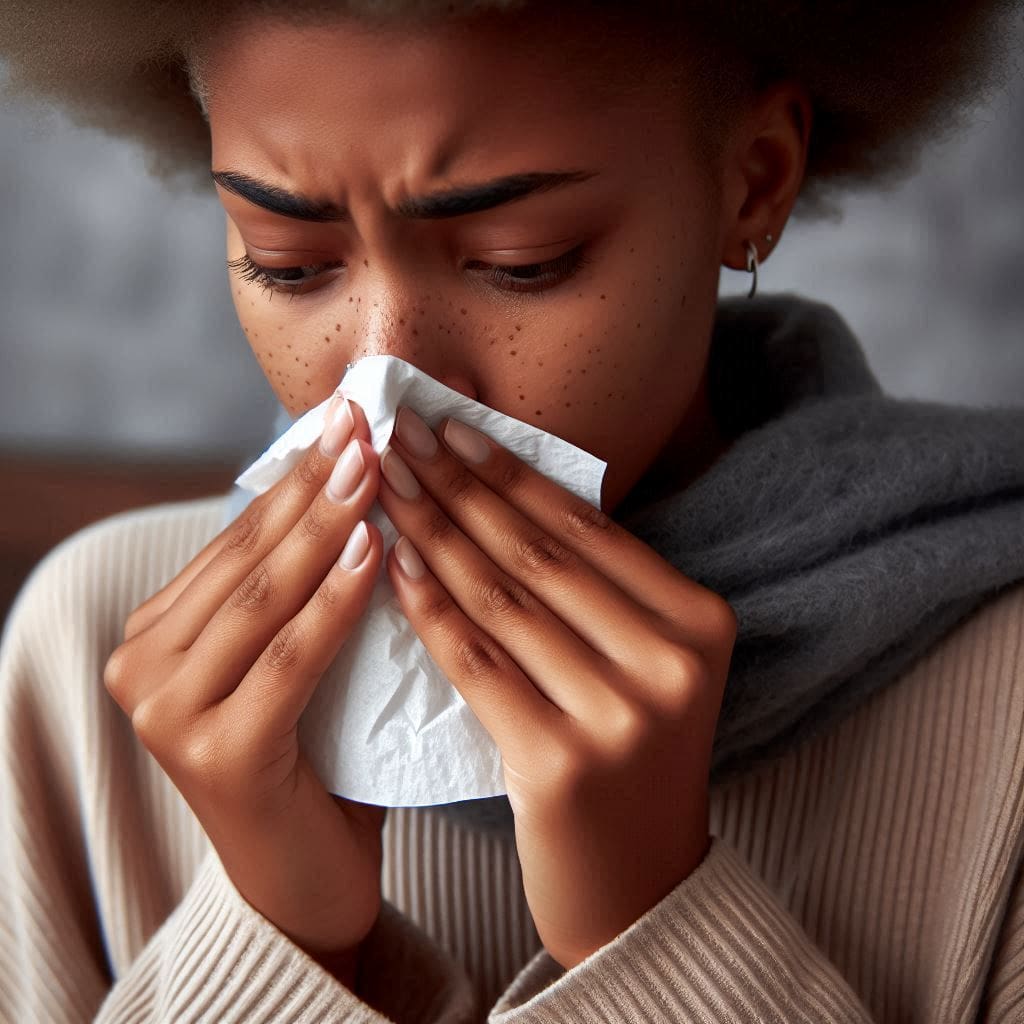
(596, 667)
(217, 667)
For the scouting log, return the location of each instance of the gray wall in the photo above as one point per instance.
(117, 333)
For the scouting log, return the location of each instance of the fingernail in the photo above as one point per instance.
(337, 428)
(347, 473)
(466, 442)
(398, 475)
(409, 559)
(415, 434)
(356, 547)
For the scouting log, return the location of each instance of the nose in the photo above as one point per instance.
(459, 383)
(395, 325)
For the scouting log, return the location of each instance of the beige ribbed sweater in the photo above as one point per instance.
(873, 874)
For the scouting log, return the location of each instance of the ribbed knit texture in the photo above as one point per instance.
(870, 874)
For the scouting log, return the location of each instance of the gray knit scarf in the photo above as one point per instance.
(848, 530)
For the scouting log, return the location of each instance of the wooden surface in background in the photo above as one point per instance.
(44, 499)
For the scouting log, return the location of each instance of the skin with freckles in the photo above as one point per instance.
(530, 215)
(598, 328)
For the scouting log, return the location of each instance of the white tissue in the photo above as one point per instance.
(385, 726)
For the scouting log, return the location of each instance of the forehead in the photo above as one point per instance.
(424, 98)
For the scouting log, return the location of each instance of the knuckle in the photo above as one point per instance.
(246, 531)
(153, 722)
(542, 554)
(476, 657)
(202, 754)
(568, 767)
(588, 524)
(627, 729)
(117, 672)
(501, 596)
(681, 666)
(513, 475)
(724, 623)
(684, 677)
(313, 524)
(309, 471)
(459, 483)
(284, 651)
(137, 620)
(438, 607)
(327, 597)
(438, 527)
(255, 591)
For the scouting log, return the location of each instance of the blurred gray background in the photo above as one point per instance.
(117, 334)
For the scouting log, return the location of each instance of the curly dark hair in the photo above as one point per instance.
(883, 77)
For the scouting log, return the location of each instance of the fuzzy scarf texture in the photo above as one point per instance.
(848, 530)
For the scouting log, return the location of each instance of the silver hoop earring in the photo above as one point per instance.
(752, 267)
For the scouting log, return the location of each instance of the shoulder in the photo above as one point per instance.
(85, 588)
(994, 632)
(986, 651)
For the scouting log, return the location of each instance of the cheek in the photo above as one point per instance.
(303, 363)
(614, 367)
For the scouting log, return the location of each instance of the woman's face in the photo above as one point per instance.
(516, 205)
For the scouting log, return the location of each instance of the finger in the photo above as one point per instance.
(566, 669)
(581, 596)
(256, 532)
(614, 552)
(512, 710)
(275, 589)
(153, 607)
(339, 430)
(276, 689)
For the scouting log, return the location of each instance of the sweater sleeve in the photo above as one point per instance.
(103, 916)
(218, 961)
(720, 949)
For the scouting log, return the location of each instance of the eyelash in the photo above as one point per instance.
(549, 274)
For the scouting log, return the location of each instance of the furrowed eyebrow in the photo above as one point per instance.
(457, 202)
(278, 200)
(454, 202)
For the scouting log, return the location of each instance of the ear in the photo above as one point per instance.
(764, 169)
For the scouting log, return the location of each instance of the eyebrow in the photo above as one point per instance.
(454, 202)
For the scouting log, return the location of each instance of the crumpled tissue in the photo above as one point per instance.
(385, 726)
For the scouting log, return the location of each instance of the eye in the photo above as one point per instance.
(279, 279)
(533, 277)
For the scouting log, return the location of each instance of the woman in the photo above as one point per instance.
(813, 604)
